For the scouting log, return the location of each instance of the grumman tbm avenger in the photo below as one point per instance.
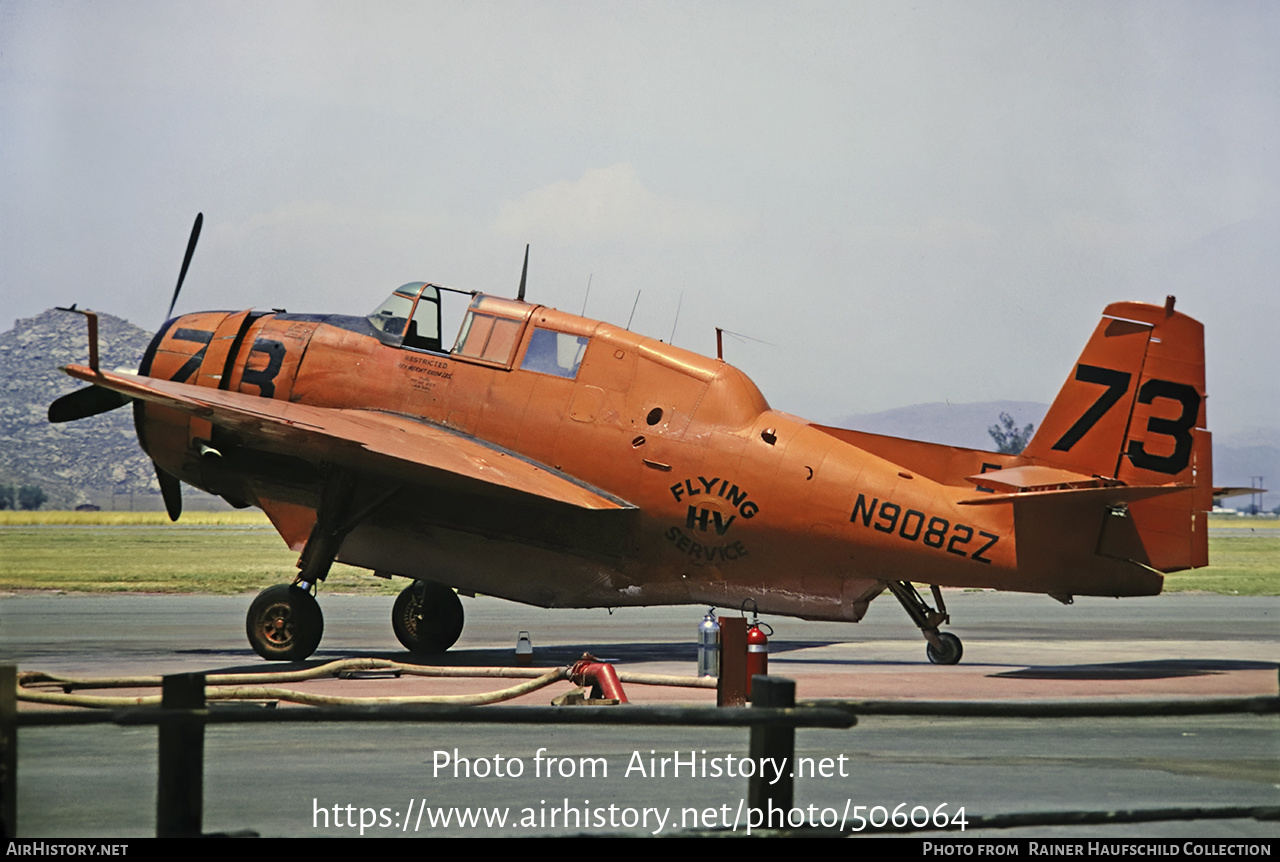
(564, 462)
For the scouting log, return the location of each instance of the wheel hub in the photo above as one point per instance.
(277, 628)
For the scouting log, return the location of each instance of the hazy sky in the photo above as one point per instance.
(906, 202)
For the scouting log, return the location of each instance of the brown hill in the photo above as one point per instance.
(77, 462)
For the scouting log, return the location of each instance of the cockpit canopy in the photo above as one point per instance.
(491, 331)
(410, 316)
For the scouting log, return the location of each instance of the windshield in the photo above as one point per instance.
(392, 315)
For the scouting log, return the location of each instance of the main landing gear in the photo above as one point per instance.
(427, 617)
(943, 647)
(284, 623)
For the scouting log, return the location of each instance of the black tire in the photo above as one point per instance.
(427, 618)
(951, 650)
(284, 623)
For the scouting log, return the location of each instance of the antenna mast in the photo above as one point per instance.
(523, 273)
(633, 309)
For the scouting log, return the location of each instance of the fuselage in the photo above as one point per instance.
(729, 499)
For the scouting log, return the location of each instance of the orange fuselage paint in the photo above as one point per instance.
(731, 500)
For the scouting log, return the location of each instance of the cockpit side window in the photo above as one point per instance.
(552, 352)
(492, 330)
(488, 337)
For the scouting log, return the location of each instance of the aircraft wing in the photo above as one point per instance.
(398, 447)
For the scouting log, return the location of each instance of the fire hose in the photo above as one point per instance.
(249, 686)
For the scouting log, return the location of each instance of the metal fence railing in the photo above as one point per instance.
(772, 721)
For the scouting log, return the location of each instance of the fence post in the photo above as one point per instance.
(732, 690)
(8, 751)
(773, 741)
(180, 791)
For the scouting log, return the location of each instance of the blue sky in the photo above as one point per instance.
(905, 202)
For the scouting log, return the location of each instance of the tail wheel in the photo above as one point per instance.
(427, 617)
(284, 623)
(950, 652)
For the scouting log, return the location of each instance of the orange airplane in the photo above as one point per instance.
(564, 462)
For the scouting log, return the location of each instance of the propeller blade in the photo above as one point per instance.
(86, 402)
(171, 490)
(186, 262)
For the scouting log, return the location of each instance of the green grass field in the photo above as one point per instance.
(230, 518)
(206, 552)
(236, 552)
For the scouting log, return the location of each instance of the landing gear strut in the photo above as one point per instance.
(943, 647)
(427, 617)
(284, 622)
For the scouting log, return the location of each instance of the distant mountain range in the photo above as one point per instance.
(962, 425)
(97, 459)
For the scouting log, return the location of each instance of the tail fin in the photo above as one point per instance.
(1133, 410)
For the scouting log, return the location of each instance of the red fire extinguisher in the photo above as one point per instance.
(757, 648)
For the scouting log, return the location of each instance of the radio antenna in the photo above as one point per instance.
(587, 296)
(633, 309)
(680, 302)
(720, 332)
(524, 273)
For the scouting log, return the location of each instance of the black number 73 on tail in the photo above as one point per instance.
(1117, 385)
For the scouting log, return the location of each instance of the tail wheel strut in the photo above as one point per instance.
(942, 647)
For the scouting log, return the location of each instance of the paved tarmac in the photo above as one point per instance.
(287, 780)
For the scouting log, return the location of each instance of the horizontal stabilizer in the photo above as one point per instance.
(1106, 496)
(1220, 493)
(1034, 477)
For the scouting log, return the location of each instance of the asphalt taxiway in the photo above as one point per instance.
(287, 780)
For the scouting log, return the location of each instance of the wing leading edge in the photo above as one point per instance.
(388, 444)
